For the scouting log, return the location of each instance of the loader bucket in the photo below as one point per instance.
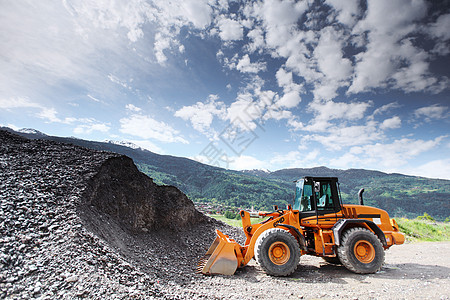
(220, 257)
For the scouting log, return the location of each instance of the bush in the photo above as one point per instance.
(238, 216)
(230, 215)
(426, 217)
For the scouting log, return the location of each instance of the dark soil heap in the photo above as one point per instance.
(76, 222)
(120, 190)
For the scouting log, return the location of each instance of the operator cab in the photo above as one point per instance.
(316, 196)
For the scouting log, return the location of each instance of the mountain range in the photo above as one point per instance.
(401, 195)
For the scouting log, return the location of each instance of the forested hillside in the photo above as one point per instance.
(400, 195)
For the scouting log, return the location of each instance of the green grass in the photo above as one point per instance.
(234, 222)
(424, 230)
(231, 222)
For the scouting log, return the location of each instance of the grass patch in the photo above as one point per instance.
(424, 230)
(234, 222)
(231, 222)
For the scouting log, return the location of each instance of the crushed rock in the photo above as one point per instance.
(59, 240)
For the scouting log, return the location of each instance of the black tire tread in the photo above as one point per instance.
(344, 250)
(259, 248)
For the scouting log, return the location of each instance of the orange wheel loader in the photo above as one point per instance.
(316, 224)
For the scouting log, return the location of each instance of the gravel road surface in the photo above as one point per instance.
(411, 271)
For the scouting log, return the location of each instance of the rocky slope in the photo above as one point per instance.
(76, 222)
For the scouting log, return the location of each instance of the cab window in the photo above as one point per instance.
(324, 196)
(307, 198)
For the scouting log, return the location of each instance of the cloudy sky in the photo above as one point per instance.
(242, 85)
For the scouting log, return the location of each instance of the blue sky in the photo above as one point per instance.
(243, 85)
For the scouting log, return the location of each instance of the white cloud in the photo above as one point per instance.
(330, 61)
(148, 128)
(415, 76)
(296, 159)
(68, 45)
(251, 106)
(89, 128)
(392, 156)
(244, 111)
(289, 100)
(162, 43)
(279, 21)
(439, 168)
(116, 80)
(337, 138)
(199, 13)
(387, 55)
(201, 114)
(145, 144)
(295, 124)
(326, 112)
(168, 17)
(245, 162)
(130, 15)
(347, 11)
(284, 78)
(277, 114)
(93, 98)
(18, 102)
(12, 126)
(132, 107)
(391, 123)
(385, 108)
(291, 97)
(257, 40)
(346, 161)
(439, 29)
(383, 17)
(245, 66)
(432, 112)
(391, 59)
(47, 113)
(230, 30)
(277, 13)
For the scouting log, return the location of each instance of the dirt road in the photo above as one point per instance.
(411, 271)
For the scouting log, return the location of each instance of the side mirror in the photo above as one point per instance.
(317, 187)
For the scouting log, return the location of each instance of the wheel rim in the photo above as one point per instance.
(279, 253)
(364, 251)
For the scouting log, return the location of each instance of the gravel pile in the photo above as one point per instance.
(63, 235)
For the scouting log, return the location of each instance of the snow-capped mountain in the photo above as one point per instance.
(257, 172)
(123, 143)
(31, 131)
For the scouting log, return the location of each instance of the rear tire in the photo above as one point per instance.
(361, 251)
(277, 252)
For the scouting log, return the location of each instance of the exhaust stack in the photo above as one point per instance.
(360, 197)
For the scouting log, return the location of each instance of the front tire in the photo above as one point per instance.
(277, 252)
(361, 251)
